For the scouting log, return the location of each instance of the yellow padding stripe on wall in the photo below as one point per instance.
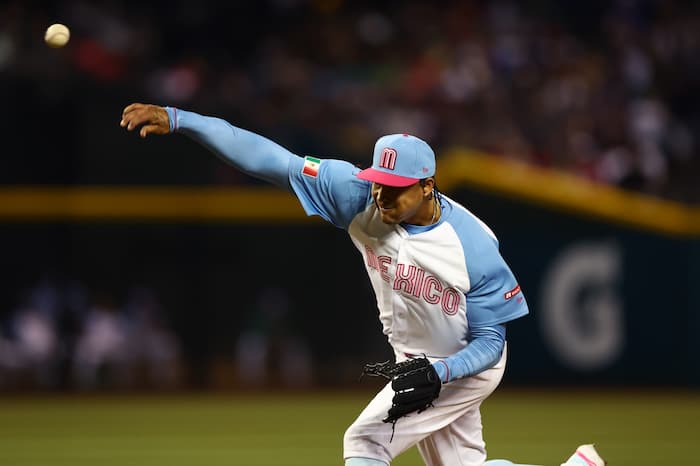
(566, 192)
(264, 204)
(260, 204)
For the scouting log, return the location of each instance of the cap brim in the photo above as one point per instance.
(387, 179)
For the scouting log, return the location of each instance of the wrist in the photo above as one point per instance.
(172, 118)
(443, 370)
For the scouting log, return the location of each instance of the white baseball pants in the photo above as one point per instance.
(448, 434)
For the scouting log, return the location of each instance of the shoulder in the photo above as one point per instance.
(479, 243)
(474, 234)
(329, 188)
(309, 168)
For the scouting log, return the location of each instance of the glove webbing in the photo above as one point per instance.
(389, 370)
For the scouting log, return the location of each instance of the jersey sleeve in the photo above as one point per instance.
(494, 296)
(247, 151)
(483, 352)
(329, 188)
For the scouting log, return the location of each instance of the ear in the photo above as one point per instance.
(428, 187)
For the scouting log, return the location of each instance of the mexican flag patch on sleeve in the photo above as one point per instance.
(311, 166)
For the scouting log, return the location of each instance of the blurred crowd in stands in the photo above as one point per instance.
(62, 336)
(607, 90)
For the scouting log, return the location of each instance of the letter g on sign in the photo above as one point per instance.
(582, 316)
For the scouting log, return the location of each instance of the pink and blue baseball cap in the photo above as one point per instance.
(400, 160)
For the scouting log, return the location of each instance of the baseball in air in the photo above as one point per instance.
(57, 35)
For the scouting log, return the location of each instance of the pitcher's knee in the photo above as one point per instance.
(358, 443)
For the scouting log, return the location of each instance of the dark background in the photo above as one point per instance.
(603, 90)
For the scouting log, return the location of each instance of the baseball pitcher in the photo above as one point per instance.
(444, 293)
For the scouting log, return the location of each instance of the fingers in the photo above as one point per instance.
(130, 113)
(132, 107)
(148, 129)
(133, 116)
(152, 119)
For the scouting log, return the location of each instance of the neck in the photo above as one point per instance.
(436, 210)
(421, 218)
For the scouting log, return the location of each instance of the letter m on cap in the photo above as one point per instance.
(388, 158)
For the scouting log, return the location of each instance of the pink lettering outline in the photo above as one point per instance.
(450, 301)
(388, 158)
(429, 282)
(407, 279)
(384, 262)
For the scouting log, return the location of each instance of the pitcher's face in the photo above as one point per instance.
(404, 205)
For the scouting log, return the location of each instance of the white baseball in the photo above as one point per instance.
(57, 35)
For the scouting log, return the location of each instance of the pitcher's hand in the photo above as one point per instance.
(151, 118)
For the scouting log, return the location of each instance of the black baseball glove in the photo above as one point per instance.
(415, 383)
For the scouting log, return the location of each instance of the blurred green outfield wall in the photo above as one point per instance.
(609, 304)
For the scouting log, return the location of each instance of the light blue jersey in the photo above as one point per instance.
(432, 283)
(442, 290)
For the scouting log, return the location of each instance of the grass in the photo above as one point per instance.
(630, 428)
